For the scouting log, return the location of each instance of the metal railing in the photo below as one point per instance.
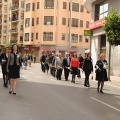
(14, 30)
(14, 7)
(13, 41)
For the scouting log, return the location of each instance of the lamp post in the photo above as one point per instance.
(70, 23)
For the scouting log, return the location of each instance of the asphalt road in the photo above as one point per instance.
(42, 97)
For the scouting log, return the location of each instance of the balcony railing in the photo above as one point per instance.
(15, 7)
(14, 30)
(13, 41)
(14, 18)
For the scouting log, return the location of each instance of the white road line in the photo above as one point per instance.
(106, 104)
(55, 80)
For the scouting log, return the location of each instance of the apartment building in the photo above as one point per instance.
(3, 21)
(46, 26)
(99, 9)
(11, 21)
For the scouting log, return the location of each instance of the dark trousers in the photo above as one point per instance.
(5, 79)
(79, 74)
(59, 73)
(87, 74)
(43, 67)
(66, 73)
(53, 71)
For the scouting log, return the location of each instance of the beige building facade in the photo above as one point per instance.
(11, 21)
(46, 25)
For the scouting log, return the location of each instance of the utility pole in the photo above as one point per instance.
(70, 23)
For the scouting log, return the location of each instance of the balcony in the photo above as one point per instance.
(14, 19)
(15, 7)
(88, 4)
(13, 41)
(14, 30)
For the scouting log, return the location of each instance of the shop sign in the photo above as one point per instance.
(88, 33)
(96, 24)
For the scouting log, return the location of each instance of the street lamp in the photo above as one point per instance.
(70, 23)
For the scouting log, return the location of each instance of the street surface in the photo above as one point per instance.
(42, 97)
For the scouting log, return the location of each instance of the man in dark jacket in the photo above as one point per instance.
(42, 60)
(66, 65)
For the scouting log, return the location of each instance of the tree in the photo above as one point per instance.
(112, 31)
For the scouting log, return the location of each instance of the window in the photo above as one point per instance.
(38, 5)
(27, 7)
(37, 20)
(49, 4)
(26, 36)
(32, 21)
(4, 39)
(32, 36)
(63, 21)
(81, 8)
(75, 7)
(33, 6)
(21, 38)
(101, 11)
(36, 36)
(5, 29)
(64, 5)
(22, 4)
(5, 18)
(27, 22)
(21, 28)
(80, 38)
(48, 36)
(63, 36)
(81, 23)
(48, 20)
(5, 8)
(74, 38)
(87, 24)
(74, 22)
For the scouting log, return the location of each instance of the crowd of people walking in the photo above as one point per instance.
(71, 64)
(12, 61)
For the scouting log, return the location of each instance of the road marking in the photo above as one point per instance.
(55, 80)
(106, 104)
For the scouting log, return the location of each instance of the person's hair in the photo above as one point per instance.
(75, 55)
(88, 54)
(13, 46)
(102, 54)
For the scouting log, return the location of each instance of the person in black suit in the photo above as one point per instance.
(66, 65)
(4, 59)
(88, 69)
(42, 60)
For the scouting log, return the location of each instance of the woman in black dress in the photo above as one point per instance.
(88, 69)
(101, 72)
(4, 59)
(13, 67)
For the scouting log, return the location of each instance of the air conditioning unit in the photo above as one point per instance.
(26, 25)
(48, 23)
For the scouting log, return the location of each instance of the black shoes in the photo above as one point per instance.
(11, 92)
(14, 93)
(101, 92)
